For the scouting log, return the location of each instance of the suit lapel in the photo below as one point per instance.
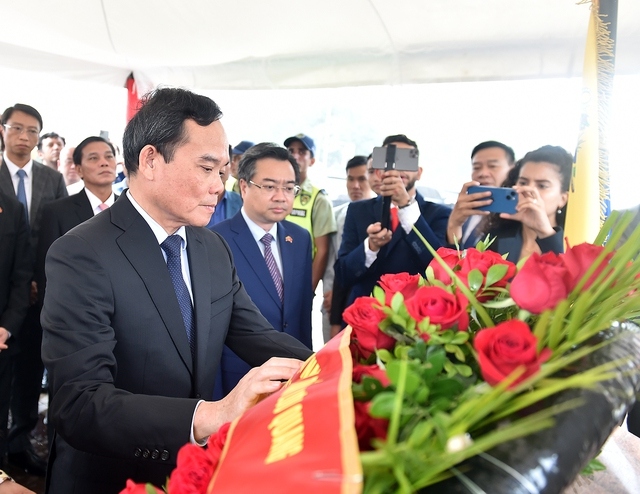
(287, 255)
(37, 189)
(6, 184)
(201, 288)
(250, 250)
(83, 208)
(152, 269)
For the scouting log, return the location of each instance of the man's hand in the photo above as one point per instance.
(256, 385)
(8, 487)
(4, 336)
(326, 300)
(378, 237)
(393, 185)
(466, 206)
(33, 294)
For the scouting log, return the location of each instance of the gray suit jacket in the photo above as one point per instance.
(123, 383)
(46, 186)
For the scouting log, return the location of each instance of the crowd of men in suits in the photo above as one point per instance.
(164, 297)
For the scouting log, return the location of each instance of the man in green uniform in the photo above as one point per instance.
(312, 208)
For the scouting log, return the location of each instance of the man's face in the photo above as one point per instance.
(235, 161)
(98, 166)
(357, 183)
(68, 167)
(20, 136)
(490, 167)
(408, 178)
(374, 178)
(302, 155)
(224, 176)
(51, 147)
(185, 190)
(268, 207)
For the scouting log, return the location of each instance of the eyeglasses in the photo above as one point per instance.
(19, 129)
(288, 190)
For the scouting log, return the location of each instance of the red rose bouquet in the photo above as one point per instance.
(479, 345)
(438, 369)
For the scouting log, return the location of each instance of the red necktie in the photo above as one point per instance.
(394, 219)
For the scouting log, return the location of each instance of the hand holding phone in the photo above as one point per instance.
(504, 199)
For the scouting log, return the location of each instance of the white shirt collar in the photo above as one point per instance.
(157, 230)
(13, 168)
(257, 231)
(95, 202)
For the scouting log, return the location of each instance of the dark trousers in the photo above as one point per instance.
(633, 419)
(26, 382)
(5, 393)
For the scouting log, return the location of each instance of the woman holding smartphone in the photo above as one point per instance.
(542, 180)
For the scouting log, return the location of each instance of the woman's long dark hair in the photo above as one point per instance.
(549, 154)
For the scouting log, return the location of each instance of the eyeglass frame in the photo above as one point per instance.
(266, 187)
(14, 129)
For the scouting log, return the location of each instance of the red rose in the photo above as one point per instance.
(364, 318)
(483, 261)
(404, 283)
(193, 472)
(215, 444)
(360, 370)
(133, 488)
(368, 427)
(504, 348)
(451, 257)
(541, 283)
(579, 259)
(440, 306)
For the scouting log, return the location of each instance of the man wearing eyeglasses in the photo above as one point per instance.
(35, 185)
(276, 270)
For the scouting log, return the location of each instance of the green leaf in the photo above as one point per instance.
(464, 370)
(378, 294)
(460, 338)
(496, 273)
(413, 380)
(475, 280)
(384, 355)
(382, 405)
(397, 302)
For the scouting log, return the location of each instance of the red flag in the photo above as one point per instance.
(133, 99)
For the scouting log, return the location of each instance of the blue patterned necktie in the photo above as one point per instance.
(272, 266)
(22, 194)
(172, 246)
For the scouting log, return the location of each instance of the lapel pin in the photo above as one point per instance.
(288, 239)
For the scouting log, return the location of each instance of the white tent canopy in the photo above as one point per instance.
(250, 44)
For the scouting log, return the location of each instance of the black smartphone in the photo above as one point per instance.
(406, 159)
(505, 199)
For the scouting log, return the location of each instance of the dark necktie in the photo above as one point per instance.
(171, 246)
(395, 221)
(22, 194)
(272, 266)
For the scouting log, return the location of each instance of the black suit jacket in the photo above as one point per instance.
(58, 217)
(46, 185)
(15, 266)
(123, 384)
(404, 253)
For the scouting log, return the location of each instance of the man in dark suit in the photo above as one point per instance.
(368, 250)
(95, 162)
(490, 165)
(140, 301)
(15, 278)
(34, 185)
(268, 176)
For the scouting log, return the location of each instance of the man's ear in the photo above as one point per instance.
(243, 187)
(419, 172)
(79, 171)
(148, 160)
(313, 160)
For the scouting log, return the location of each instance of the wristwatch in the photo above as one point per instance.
(5, 478)
(411, 201)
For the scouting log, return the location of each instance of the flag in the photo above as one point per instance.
(133, 98)
(589, 195)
